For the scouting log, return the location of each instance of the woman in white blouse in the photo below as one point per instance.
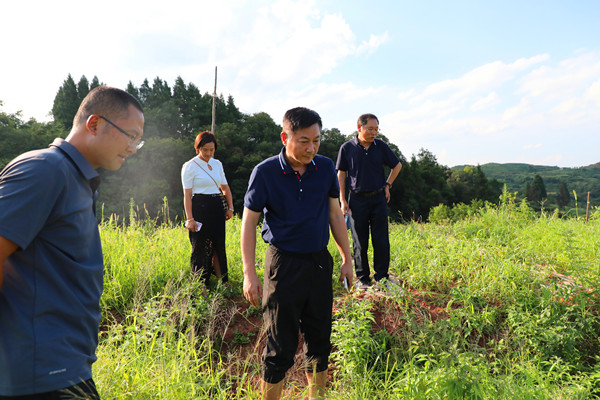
(203, 181)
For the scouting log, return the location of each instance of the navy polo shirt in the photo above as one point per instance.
(296, 207)
(364, 167)
(49, 301)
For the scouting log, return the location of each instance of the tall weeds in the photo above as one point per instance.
(500, 304)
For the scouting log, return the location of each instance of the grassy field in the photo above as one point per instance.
(500, 305)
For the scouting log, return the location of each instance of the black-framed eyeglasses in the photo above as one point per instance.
(134, 141)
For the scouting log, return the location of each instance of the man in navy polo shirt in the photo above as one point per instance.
(360, 169)
(298, 192)
(51, 265)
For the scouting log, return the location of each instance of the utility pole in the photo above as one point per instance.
(212, 127)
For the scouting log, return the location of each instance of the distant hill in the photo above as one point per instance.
(515, 175)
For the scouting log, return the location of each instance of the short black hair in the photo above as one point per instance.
(300, 118)
(107, 101)
(364, 119)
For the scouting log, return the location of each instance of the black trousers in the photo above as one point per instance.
(297, 296)
(370, 215)
(208, 210)
(83, 391)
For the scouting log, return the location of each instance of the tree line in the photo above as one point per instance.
(548, 186)
(175, 115)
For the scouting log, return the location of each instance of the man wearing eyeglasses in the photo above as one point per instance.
(360, 165)
(51, 265)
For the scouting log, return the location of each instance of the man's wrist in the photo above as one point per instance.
(388, 184)
(249, 272)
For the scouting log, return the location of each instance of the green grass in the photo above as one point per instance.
(499, 305)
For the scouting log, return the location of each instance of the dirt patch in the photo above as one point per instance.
(243, 344)
(243, 334)
(239, 337)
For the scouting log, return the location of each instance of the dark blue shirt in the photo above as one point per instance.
(296, 207)
(49, 301)
(364, 167)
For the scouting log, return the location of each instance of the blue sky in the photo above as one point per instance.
(470, 81)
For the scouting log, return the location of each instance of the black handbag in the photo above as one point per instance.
(224, 201)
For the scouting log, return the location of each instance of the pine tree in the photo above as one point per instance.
(537, 190)
(563, 198)
(132, 90)
(83, 88)
(95, 82)
(66, 103)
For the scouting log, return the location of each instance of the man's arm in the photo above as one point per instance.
(391, 178)
(252, 286)
(7, 247)
(342, 182)
(340, 235)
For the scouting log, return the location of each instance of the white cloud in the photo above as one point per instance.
(488, 101)
(484, 78)
(532, 146)
(531, 100)
(592, 93)
(262, 48)
(375, 41)
(568, 78)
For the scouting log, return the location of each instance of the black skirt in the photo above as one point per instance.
(210, 239)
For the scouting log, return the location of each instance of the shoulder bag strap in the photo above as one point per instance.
(213, 179)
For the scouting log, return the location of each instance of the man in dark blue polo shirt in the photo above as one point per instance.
(360, 169)
(298, 192)
(51, 265)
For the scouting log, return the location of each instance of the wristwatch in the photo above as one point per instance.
(388, 184)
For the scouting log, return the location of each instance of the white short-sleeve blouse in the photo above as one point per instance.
(196, 175)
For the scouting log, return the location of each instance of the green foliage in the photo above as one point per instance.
(17, 136)
(556, 327)
(331, 141)
(241, 337)
(422, 185)
(351, 332)
(446, 214)
(471, 183)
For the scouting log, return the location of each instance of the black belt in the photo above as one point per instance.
(368, 194)
(207, 195)
(297, 254)
(316, 257)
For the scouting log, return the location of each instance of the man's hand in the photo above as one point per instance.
(252, 289)
(252, 286)
(345, 207)
(346, 272)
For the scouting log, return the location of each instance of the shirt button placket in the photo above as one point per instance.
(299, 186)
